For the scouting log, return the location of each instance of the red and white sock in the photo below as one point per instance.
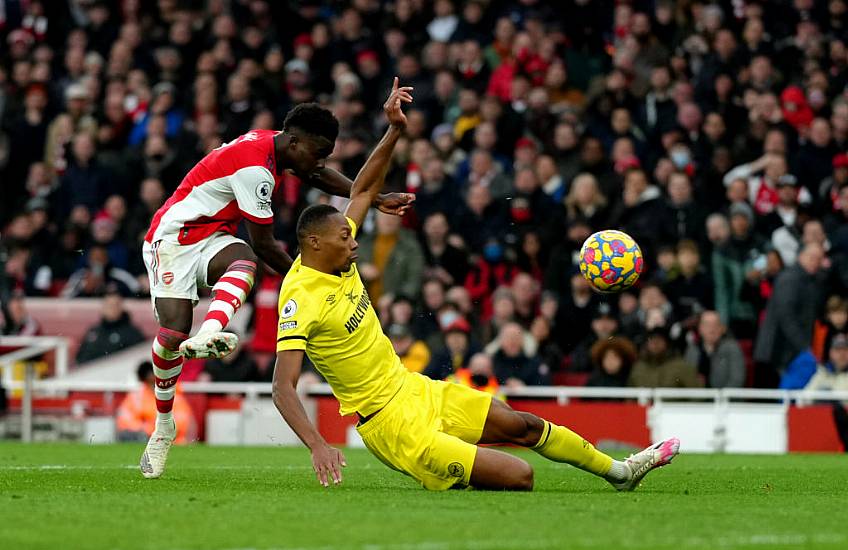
(167, 365)
(228, 294)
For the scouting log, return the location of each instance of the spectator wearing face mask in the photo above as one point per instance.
(479, 374)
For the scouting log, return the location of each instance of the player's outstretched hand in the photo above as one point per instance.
(392, 106)
(328, 462)
(395, 203)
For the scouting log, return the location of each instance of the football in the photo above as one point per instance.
(611, 261)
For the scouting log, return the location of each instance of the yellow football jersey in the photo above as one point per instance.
(331, 318)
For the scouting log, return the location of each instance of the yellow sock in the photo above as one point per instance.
(560, 444)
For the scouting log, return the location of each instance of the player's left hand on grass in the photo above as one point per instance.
(328, 462)
(395, 203)
(392, 106)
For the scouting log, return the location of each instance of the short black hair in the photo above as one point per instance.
(144, 370)
(312, 218)
(312, 119)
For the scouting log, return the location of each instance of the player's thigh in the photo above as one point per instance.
(506, 425)
(463, 410)
(500, 471)
(174, 313)
(171, 270)
(219, 254)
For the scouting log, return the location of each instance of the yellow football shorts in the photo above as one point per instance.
(428, 431)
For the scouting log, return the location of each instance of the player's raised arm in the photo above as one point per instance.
(369, 181)
(327, 461)
(335, 183)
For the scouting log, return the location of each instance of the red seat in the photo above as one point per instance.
(570, 378)
(747, 347)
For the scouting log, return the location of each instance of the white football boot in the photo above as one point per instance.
(209, 345)
(655, 456)
(155, 455)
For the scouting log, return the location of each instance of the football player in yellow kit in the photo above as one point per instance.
(427, 429)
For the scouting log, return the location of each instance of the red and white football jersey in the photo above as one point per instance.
(234, 181)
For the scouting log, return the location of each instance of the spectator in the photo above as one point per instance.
(16, 319)
(788, 325)
(687, 217)
(732, 262)
(525, 291)
(643, 215)
(238, 366)
(513, 367)
(604, 327)
(786, 214)
(834, 376)
(716, 354)
(691, 289)
(151, 196)
(503, 312)
(835, 321)
(113, 333)
(659, 366)
(391, 260)
(85, 183)
(485, 172)
(425, 323)
(612, 360)
(442, 260)
(414, 354)
(136, 415)
(479, 374)
(574, 314)
(657, 113)
(480, 218)
(828, 192)
(653, 310)
(457, 349)
(762, 190)
(495, 268)
(437, 194)
(98, 275)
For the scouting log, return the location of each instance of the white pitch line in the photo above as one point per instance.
(768, 539)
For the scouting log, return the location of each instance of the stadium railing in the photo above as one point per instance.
(23, 350)
(713, 417)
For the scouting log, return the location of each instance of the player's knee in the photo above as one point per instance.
(247, 255)
(521, 478)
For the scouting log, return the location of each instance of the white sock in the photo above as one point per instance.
(162, 418)
(618, 472)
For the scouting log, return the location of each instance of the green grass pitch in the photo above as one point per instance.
(81, 496)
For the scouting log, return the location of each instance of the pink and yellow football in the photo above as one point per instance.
(611, 261)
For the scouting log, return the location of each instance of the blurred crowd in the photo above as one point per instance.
(715, 133)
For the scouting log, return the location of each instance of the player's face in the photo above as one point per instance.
(308, 153)
(338, 243)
